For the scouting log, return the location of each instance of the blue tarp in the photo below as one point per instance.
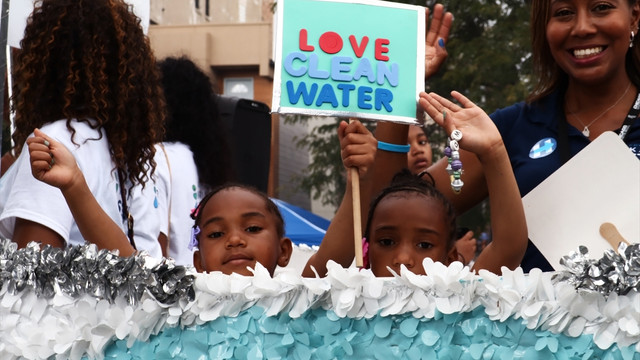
(302, 226)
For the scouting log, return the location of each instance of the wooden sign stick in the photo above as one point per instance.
(357, 220)
(611, 234)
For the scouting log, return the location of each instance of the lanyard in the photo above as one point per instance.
(563, 128)
(631, 117)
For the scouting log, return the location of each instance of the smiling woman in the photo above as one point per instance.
(586, 62)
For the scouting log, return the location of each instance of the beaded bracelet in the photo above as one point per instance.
(454, 167)
(393, 147)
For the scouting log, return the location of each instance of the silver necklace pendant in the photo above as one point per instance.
(585, 132)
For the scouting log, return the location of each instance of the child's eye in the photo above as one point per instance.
(425, 245)
(386, 242)
(215, 234)
(253, 229)
(423, 142)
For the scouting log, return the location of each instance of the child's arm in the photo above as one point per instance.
(54, 164)
(358, 150)
(481, 137)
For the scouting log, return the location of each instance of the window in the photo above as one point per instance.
(239, 87)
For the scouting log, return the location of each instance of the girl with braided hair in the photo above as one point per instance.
(86, 76)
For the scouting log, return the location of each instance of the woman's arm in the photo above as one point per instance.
(53, 164)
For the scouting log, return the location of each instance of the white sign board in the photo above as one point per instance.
(19, 11)
(599, 184)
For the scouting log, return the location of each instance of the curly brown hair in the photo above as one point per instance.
(89, 59)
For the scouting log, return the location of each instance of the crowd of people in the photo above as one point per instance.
(118, 150)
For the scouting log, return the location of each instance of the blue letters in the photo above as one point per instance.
(327, 96)
(364, 69)
(340, 69)
(383, 98)
(313, 68)
(346, 91)
(307, 97)
(363, 97)
(391, 74)
(288, 64)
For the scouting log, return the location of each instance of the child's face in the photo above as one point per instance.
(236, 231)
(420, 155)
(405, 229)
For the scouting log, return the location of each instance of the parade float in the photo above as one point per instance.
(81, 302)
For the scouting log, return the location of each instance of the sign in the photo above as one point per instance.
(598, 185)
(360, 58)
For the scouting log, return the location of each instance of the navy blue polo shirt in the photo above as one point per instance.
(530, 135)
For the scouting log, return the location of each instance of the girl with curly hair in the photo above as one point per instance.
(195, 149)
(87, 77)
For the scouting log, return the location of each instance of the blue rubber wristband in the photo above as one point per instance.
(393, 147)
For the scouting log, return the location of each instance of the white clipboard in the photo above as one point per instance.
(598, 185)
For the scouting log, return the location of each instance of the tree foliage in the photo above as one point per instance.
(489, 62)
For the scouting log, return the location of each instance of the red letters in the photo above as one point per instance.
(380, 49)
(358, 49)
(304, 46)
(330, 42)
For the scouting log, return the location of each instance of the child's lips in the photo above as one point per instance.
(237, 258)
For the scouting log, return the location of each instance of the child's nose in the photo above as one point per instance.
(403, 258)
(235, 239)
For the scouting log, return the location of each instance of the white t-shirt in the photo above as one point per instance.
(148, 207)
(183, 182)
(23, 196)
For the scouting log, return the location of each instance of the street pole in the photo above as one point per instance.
(4, 25)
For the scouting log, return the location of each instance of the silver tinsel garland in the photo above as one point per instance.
(613, 273)
(84, 269)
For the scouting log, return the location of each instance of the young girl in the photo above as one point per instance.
(410, 220)
(237, 226)
(194, 156)
(86, 75)
(420, 156)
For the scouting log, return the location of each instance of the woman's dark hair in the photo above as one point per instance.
(193, 119)
(549, 76)
(89, 59)
(405, 182)
(196, 215)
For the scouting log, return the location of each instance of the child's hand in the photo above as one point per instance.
(51, 162)
(479, 133)
(358, 146)
(467, 247)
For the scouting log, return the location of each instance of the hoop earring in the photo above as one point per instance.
(631, 40)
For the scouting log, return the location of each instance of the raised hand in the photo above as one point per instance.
(480, 134)
(436, 37)
(51, 162)
(358, 146)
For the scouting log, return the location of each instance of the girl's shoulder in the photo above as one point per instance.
(80, 128)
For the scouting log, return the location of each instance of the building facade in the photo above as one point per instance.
(233, 40)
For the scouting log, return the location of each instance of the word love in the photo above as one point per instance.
(336, 77)
(331, 43)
